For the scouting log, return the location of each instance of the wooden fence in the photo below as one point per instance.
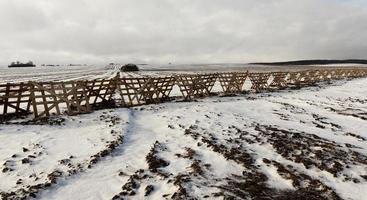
(232, 83)
(195, 85)
(44, 99)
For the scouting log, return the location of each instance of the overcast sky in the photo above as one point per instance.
(181, 31)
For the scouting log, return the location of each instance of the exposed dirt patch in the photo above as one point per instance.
(323, 122)
(184, 181)
(180, 181)
(354, 100)
(52, 121)
(357, 113)
(148, 190)
(282, 116)
(307, 187)
(25, 156)
(154, 161)
(132, 185)
(356, 136)
(311, 150)
(31, 191)
(292, 108)
(141, 176)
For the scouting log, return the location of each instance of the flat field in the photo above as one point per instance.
(292, 144)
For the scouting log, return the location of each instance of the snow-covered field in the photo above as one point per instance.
(300, 144)
(60, 73)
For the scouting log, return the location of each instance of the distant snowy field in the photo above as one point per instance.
(303, 144)
(62, 73)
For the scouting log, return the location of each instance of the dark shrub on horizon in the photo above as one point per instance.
(129, 68)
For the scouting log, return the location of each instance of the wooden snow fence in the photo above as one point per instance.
(14, 99)
(316, 76)
(259, 81)
(363, 72)
(352, 73)
(129, 90)
(326, 75)
(299, 79)
(45, 99)
(334, 74)
(157, 89)
(306, 78)
(73, 97)
(100, 92)
(292, 79)
(356, 73)
(279, 80)
(51, 98)
(232, 82)
(340, 73)
(312, 76)
(196, 85)
(136, 91)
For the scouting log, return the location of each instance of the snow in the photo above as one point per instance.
(59, 73)
(227, 119)
(80, 138)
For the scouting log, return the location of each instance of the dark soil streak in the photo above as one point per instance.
(154, 161)
(155, 165)
(311, 150)
(357, 113)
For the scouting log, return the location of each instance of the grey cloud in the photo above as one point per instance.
(185, 31)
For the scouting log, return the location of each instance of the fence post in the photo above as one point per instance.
(33, 99)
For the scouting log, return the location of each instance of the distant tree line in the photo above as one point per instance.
(314, 62)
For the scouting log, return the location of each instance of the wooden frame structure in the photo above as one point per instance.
(144, 90)
(157, 89)
(45, 99)
(232, 82)
(299, 79)
(196, 85)
(259, 81)
(100, 92)
(14, 99)
(129, 90)
(279, 80)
